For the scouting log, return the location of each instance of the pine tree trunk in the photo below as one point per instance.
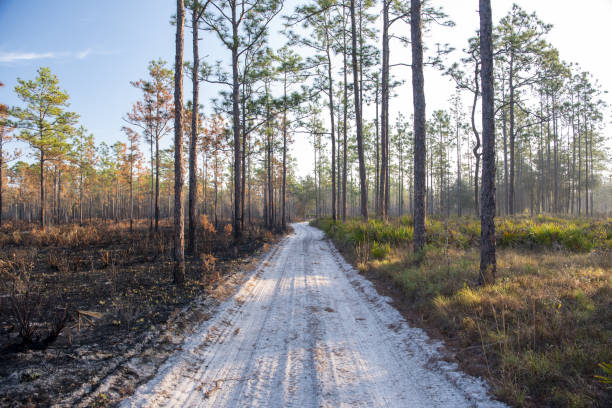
(512, 136)
(42, 189)
(477, 136)
(487, 221)
(418, 97)
(345, 119)
(573, 184)
(358, 119)
(505, 139)
(592, 174)
(193, 140)
(458, 171)
(157, 182)
(151, 198)
(179, 233)
(244, 152)
(377, 164)
(236, 123)
(330, 91)
(131, 190)
(384, 118)
(555, 159)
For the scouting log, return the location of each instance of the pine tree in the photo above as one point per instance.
(44, 122)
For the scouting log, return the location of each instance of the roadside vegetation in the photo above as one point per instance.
(540, 334)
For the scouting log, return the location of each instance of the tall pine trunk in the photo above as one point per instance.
(511, 200)
(157, 181)
(284, 186)
(193, 140)
(487, 220)
(344, 124)
(476, 148)
(356, 86)
(179, 233)
(384, 118)
(42, 188)
(330, 90)
(236, 124)
(418, 97)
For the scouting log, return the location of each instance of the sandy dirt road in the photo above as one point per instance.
(305, 330)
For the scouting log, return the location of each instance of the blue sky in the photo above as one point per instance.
(96, 47)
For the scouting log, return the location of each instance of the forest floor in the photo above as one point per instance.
(538, 335)
(306, 330)
(82, 306)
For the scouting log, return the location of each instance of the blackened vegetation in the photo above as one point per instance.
(73, 297)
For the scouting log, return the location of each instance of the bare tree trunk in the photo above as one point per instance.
(487, 221)
(477, 136)
(236, 123)
(555, 158)
(330, 91)
(157, 182)
(573, 184)
(592, 174)
(152, 190)
(512, 136)
(377, 164)
(284, 186)
(204, 182)
(384, 118)
(131, 190)
(458, 170)
(179, 233)
(42, 189)
(356, 85)
(193, 140)
(418, 97)
(244, 152)
(345, 115)
(505, 139)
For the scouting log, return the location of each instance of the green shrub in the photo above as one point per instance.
(380, 251)
(576, 235)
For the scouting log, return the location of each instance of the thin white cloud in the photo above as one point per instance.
(83, 54)
(11, 57)
(25, 56)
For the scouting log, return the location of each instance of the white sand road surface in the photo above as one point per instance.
(306, 330)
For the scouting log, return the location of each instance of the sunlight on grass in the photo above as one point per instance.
(542, 329)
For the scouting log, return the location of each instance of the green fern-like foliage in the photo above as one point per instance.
(607, 377)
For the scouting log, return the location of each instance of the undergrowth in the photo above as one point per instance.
(580, 235)
(541, 334)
